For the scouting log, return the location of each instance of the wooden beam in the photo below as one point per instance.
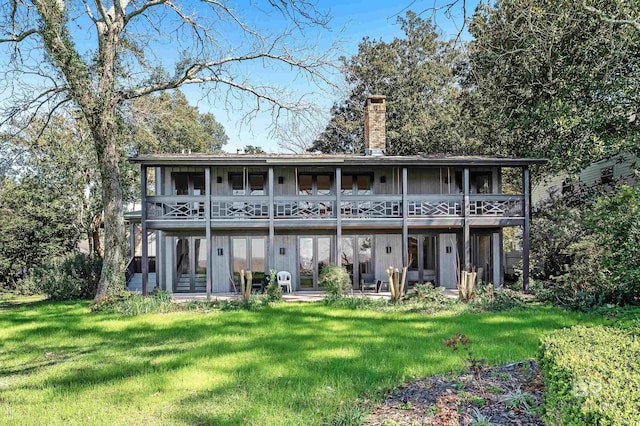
(271, 255)
(466, 234)
(338, 244)
(143, 224)
(207, 215)
(132, 239)
(525, 229)
(405, 216)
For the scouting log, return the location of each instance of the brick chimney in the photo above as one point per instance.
(374, 125)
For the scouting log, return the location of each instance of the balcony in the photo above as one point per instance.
(192, 208)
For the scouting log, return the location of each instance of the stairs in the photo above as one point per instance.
(184, 284)
(135, 284)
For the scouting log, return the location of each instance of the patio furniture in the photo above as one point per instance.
(284, 280)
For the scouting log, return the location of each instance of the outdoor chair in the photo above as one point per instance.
(284, 280)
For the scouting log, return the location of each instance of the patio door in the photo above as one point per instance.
(191, 265)
(314, 254)
(248, 254)
(358, 248)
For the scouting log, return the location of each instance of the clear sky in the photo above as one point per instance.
(351, 21)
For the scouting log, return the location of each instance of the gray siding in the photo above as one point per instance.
(382, 259)
(288, 261)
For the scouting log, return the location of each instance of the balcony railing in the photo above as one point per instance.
(320, 207)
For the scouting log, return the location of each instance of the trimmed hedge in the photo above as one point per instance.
(592, 376)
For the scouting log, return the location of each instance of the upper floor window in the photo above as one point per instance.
(480, 182)
(357, 184)
(187, 183)
(252, 184)
(314, 184)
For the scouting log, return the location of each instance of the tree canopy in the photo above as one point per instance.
(417, 75)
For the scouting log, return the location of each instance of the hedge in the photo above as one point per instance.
(592, 376)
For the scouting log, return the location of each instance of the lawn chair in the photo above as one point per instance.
(284, 280)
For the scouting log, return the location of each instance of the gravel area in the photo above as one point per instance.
(505, 395)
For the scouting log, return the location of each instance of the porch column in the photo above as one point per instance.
(525, 228)
(143, 224)
(132, 239)
(466, 233)
(338, 214)
(207, 214)
(271, 255)
(405, 216)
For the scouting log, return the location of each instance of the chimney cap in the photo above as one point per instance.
(376, 99)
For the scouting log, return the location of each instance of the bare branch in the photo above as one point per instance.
(17, 38)
(129, 16)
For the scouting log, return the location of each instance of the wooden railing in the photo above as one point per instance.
(319, 207)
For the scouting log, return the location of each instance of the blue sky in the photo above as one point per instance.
(351, 21)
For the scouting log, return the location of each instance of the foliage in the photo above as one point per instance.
(489, 298)
(476, 365)
(586, 257)
(428, 294)
(253, 149)
(591, 376)
(549, 79)
(335, 281)
(353, 302)
(37, 223)
(274, 291)
(166, 123)
(416, 74)
(129, 304)
(74, 276)
(517, 398)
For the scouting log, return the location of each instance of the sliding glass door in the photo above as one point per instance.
(314, 254)
(358, 248)
(191, 264)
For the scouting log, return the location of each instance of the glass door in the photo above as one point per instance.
(358, 248)
(191, 265)
(315, 253)
(248, 254)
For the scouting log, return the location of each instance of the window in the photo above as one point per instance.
(422, 252)
(413, 253)
(314, 184)
(188, 183)
(254, 184)
(357, 184)
(236, 180)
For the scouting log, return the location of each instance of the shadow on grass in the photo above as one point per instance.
(287, 364)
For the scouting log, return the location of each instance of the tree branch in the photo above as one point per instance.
(605, 18)
(17, 38)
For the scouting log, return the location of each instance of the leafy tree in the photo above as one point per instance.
(52, 66)
(551, 79)
(416, 73)
(36, 221)
(250, 149)
(166, 123)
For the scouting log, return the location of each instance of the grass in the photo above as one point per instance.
(289, 364)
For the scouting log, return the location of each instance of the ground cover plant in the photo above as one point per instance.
(285, 364)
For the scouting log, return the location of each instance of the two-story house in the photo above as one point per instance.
(215, 215)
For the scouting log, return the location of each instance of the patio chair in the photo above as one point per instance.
(284, 280)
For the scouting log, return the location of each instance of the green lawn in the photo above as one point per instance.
(289, 364)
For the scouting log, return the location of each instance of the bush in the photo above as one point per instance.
(130, 304)
(74, 276)
(274, 291)
(428, 294)
(489, 298)
(335, 281)
(592, 376)
(587, 255)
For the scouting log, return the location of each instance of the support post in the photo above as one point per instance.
(525, 231)
(405, 216)
(132, 240)
(338, 210)
(207, 214)
(272, 232)
(466, 257)
(143, 225)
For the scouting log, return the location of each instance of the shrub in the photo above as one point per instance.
(130, 304)
(274, 291)
(74, 276)
(489, 298)
(428, 294)
(592, 376)
(335, 281)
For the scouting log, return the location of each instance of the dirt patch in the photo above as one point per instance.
(505, 395)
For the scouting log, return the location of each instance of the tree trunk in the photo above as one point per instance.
(112, 279)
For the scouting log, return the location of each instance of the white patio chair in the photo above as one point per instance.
(284, 280)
